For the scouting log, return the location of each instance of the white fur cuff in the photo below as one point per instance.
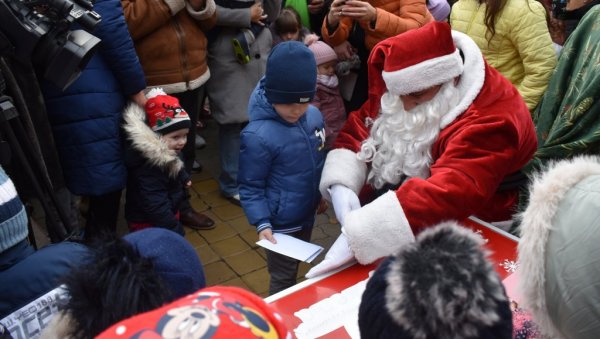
(203, 14)
(377, 229)
(342, 167)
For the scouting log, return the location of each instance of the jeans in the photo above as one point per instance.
(229, 154)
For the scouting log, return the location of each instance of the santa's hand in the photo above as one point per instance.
(339, 254)
(378, 229)
(344, 200)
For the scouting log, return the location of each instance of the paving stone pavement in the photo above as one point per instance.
(228, 252)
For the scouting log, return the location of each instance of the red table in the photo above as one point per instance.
(502, 245)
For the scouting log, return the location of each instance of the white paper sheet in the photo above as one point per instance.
(292, 247)
(339, 310)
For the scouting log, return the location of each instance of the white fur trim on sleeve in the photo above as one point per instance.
(377, 229)
(343, 167)
(424, 75)
(175, 6)
(209, 9)
(546, 193)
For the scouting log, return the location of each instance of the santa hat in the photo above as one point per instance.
(322, 51)
(413, 61)
(164, 113)
(214, 312)
(440, 286)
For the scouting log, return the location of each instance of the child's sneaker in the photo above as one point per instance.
(241, 45)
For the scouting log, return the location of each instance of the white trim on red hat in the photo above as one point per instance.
(424, 75)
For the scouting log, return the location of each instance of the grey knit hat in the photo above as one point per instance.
(440, 286)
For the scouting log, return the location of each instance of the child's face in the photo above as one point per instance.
(290, 36)
(291, 112)
(327, 68)
(176, 139)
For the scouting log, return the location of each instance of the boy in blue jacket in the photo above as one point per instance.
(282, 155)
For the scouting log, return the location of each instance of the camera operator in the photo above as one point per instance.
(86, 116)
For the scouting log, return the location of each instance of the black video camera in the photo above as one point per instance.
(39, 30)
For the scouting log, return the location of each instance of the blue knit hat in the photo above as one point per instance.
(291, 75)
(13, 218)
(173, 258)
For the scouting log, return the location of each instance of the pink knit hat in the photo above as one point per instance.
(322, 51)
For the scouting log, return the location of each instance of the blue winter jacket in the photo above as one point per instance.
(280, 166)
(85, 118)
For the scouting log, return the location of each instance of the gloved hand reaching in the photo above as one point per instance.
(338, 255)
(344, 200)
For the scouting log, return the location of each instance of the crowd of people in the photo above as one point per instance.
(452, 109)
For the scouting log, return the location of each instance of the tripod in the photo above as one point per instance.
(32, 167)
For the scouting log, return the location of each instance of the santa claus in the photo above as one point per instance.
(437, 139)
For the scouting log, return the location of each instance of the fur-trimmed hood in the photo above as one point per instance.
(148, 143)
(557, 217)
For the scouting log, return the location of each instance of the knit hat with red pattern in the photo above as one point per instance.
(164, 113)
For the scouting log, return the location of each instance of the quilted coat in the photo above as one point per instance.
(521, 49)
(85, 118)
(280, 166)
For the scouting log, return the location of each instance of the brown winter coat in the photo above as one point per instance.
(170, 41)
(393, 17)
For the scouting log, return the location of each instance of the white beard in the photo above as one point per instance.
(400, 141)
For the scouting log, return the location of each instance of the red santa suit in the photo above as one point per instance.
(488, 136)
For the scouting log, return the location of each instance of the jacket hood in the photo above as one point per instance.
(547, 191)
(148, 143)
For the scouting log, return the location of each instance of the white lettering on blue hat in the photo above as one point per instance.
(302, 100)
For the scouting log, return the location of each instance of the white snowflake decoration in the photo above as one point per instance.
(510, 265)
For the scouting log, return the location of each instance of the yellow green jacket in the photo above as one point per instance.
(521, 49)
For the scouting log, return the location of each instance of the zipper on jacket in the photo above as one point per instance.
(184, 62)
(312, 158)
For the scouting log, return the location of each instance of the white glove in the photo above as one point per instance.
(338, 255)
(344, 200)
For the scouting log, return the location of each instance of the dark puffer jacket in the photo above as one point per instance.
(156, 177)
(280, 166)
(86, 117)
